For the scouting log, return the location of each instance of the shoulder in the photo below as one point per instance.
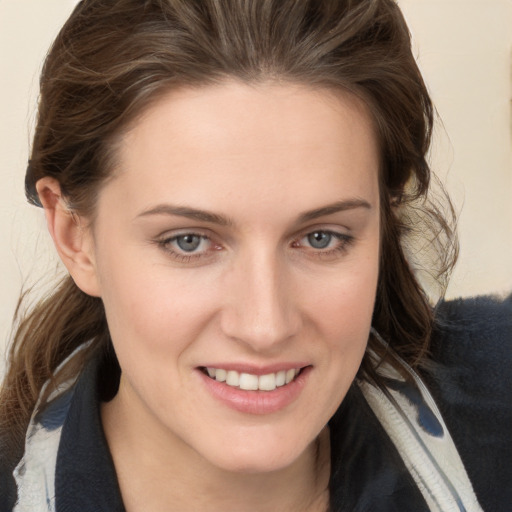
(471, 351)
(476, 321)
(470, 377)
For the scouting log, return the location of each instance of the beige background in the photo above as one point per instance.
(464, 48)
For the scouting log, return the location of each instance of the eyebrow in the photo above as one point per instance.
(214, 218)
(190, 213)
(339, 206)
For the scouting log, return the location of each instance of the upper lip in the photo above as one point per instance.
(256, 370)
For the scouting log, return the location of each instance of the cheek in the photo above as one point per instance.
(344, 306)
(343, 315)
(152, 308)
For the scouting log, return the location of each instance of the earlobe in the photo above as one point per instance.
(71, 236)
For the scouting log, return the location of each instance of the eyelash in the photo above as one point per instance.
(345, 241)
(183, 257)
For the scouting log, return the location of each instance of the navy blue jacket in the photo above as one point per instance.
(470, 379)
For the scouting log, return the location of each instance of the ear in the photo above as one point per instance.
(71, 235)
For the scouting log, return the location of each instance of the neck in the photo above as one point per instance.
(166, 472)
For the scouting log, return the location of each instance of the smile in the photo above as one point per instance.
(251, 382)
(256, 391)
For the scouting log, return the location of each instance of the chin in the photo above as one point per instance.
(252, 456)
(255, 465)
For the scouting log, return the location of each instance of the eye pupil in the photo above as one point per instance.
(319, 239)
(188, 243)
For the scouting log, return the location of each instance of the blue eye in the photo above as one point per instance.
(325, 245)
(189, 242)
(188, 247)
(320, 239)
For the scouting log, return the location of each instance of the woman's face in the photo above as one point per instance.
(240, 238)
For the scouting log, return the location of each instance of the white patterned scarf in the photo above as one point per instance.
(405, 409)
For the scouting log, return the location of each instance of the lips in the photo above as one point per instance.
(252, 382)
(255, 390)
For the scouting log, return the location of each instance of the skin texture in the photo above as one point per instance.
(255, 292)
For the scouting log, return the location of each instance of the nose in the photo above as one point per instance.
(259, 309)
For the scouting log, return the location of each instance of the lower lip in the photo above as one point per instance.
(257, 402)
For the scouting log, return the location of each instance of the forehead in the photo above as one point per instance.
(213, 142)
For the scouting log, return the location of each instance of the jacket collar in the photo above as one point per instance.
(85, 476)
(367, 473)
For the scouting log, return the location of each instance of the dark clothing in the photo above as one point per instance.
(470, 379)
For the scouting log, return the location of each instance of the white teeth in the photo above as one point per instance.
(281, 378)
(220, 375)
(250, 382)
(267, 382)
(233, 378)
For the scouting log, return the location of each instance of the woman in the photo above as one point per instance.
(230, 185)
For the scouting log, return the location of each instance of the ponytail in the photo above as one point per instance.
(44, 338)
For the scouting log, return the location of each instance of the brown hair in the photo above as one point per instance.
(113, 57)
